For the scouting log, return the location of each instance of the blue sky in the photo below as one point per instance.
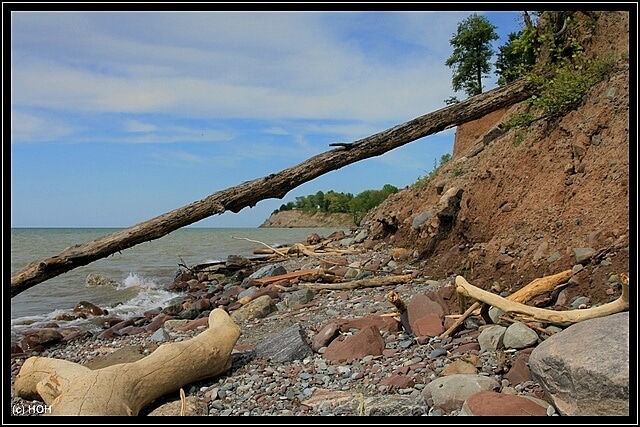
(119, 117)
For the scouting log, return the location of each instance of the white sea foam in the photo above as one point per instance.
(147, 296)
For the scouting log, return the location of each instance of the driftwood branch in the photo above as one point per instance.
(275, 185)
(264, 244)
(362, 283)
(126, 388)
(562, 318)
(540, 286)
(534, 288)
(311, 275)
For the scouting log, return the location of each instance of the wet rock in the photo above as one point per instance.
(39, 339)
(98, 280)
(85, 307)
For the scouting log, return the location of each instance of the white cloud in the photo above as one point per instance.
(31, 128)
(266, 65)
(138, 126)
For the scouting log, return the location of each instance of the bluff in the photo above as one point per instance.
(532, 202)
(300, 219)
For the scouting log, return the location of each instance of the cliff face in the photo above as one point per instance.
(533, 201)
(299, 219)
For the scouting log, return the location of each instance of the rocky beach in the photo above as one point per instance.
(380, 321)
(308, 350)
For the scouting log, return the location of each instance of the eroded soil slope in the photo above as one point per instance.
(531, 198)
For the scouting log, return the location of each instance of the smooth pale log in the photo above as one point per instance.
(563, 318)
(534, 288)
(126, 388)
(540, 286)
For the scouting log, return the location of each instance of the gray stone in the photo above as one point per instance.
(585, 368)
(286, 346)
(450, 392)
(583, 255)
(490, 339)
(518, 335)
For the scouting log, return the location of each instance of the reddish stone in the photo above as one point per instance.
(464, 348)
(402, 370)
(243, 348)
(201, 304)
(428, 326)
(190, 326)
(132, 330)
(157, 322)
(339, 270)
(36, 340)
(399, 381)
(519, 371)
(324, 337)
(421, 305)
(493, 403)
(367, 341)
(330, 263)
(270, 290)
(382, 323)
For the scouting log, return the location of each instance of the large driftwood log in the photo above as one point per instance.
(562, 318)
(273, 186)
(126, 388)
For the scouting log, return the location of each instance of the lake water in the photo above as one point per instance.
(149, 266)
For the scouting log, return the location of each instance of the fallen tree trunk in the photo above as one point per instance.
(562, 318)
(126, 388)
(273, 186)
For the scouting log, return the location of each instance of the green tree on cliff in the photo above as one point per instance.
(472, 52)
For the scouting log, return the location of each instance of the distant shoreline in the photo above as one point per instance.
(300, 219)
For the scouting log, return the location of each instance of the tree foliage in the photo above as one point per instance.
(517, 57)
(333, 202)
(472, 52)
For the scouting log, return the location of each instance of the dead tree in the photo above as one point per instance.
(275, 185)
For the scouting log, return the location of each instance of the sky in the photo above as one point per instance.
(118, 117)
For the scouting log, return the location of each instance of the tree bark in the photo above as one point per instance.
(275, 185)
